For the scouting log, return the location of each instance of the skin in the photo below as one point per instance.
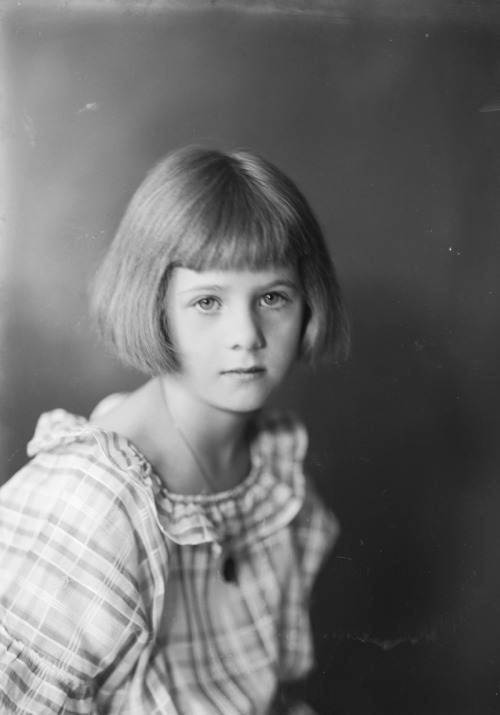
(237, 335)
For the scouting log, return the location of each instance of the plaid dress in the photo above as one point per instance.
(111, 597)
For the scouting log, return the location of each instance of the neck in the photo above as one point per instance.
(218, 439)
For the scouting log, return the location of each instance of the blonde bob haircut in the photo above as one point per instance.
(207, 209)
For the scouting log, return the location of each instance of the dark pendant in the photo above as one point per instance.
(229, 573)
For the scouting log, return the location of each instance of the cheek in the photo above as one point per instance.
(196, 348)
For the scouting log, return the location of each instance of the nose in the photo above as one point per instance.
(245, 330)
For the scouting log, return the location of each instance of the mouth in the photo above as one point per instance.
(255, 370)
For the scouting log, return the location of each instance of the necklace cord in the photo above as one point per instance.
(187, 444)
(227, 570)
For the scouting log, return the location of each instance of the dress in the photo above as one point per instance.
(111, 599)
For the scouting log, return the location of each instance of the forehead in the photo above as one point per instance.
(186, 280)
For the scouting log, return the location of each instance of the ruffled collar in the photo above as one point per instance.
(266, 501)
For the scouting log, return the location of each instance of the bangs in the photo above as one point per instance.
(238, 230)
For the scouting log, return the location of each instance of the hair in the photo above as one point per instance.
(207, 209)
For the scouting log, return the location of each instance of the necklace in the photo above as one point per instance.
(227, 568)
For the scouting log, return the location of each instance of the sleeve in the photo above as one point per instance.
(314, 532)
(73, 620)
(317, 531)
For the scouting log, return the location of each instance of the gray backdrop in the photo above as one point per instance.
(383, 124)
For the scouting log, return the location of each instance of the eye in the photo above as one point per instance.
(273, 299)
(208, 304)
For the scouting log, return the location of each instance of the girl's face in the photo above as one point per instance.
(237, 333)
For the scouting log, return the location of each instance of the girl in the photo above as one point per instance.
(159, 557)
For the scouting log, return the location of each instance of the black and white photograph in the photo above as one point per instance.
(249, 357)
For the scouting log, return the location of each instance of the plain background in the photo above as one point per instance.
(382, 123)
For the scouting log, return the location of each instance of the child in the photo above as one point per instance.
(159, 557)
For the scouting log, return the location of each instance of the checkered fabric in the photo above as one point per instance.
(111, 598)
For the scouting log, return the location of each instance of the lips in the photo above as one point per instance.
(254, 370)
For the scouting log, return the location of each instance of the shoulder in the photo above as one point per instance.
(281, 435)
(316, 518)
(82, 559)
(316, 530)
(80, 476)
(283, 439)
(107, 404)
(282, 442)
(76, 538)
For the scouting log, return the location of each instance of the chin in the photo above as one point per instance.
(243, 406)
(242, 399)
(243, 409)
